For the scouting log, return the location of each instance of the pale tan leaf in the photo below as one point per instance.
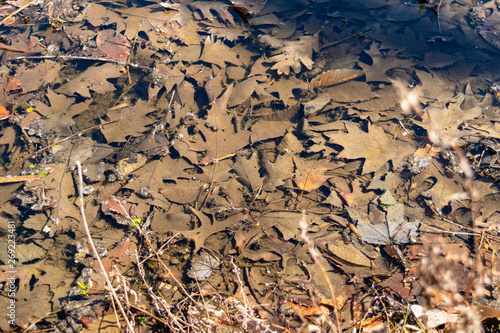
(242, 91)
(291, 54)
(278, 171)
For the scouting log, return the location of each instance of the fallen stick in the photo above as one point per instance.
(17, 179)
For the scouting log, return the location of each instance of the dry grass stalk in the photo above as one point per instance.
(316, 256)
(130, 326)
(438, 275)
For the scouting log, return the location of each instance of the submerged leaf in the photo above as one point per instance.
(202, 266)
(113, 44)
(309, 175)
(291, 54)
(375, 146)
(248, 171)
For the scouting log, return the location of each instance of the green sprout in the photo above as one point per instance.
(32, 166)
(142, 321)
(43, 173)
(136, 222)
(85, 288)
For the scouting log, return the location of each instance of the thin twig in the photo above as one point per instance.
(94, 250)
(73, 135)
(343, 40)
(70, 57)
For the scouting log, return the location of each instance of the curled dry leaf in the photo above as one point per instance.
(335, 76)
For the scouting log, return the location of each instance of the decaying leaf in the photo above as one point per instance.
(356, 198)
(209, 8)
(285, 88)
(14, 84)
(207, 227)
(278, 172)
(219, 53)
(316, 104)
(382, 62)
(446, 120)
(184, 191)
(253, 6)
(202, 266)
(95, 79)
(439, 60)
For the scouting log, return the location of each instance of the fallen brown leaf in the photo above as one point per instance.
(309, 175)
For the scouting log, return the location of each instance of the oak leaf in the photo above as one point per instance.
(446, 120)
(381, 63)
(374, 146)
(291, 54)
(207, 9)
(219, 53)
(356, 198)
(207, 227)
(94, 78)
